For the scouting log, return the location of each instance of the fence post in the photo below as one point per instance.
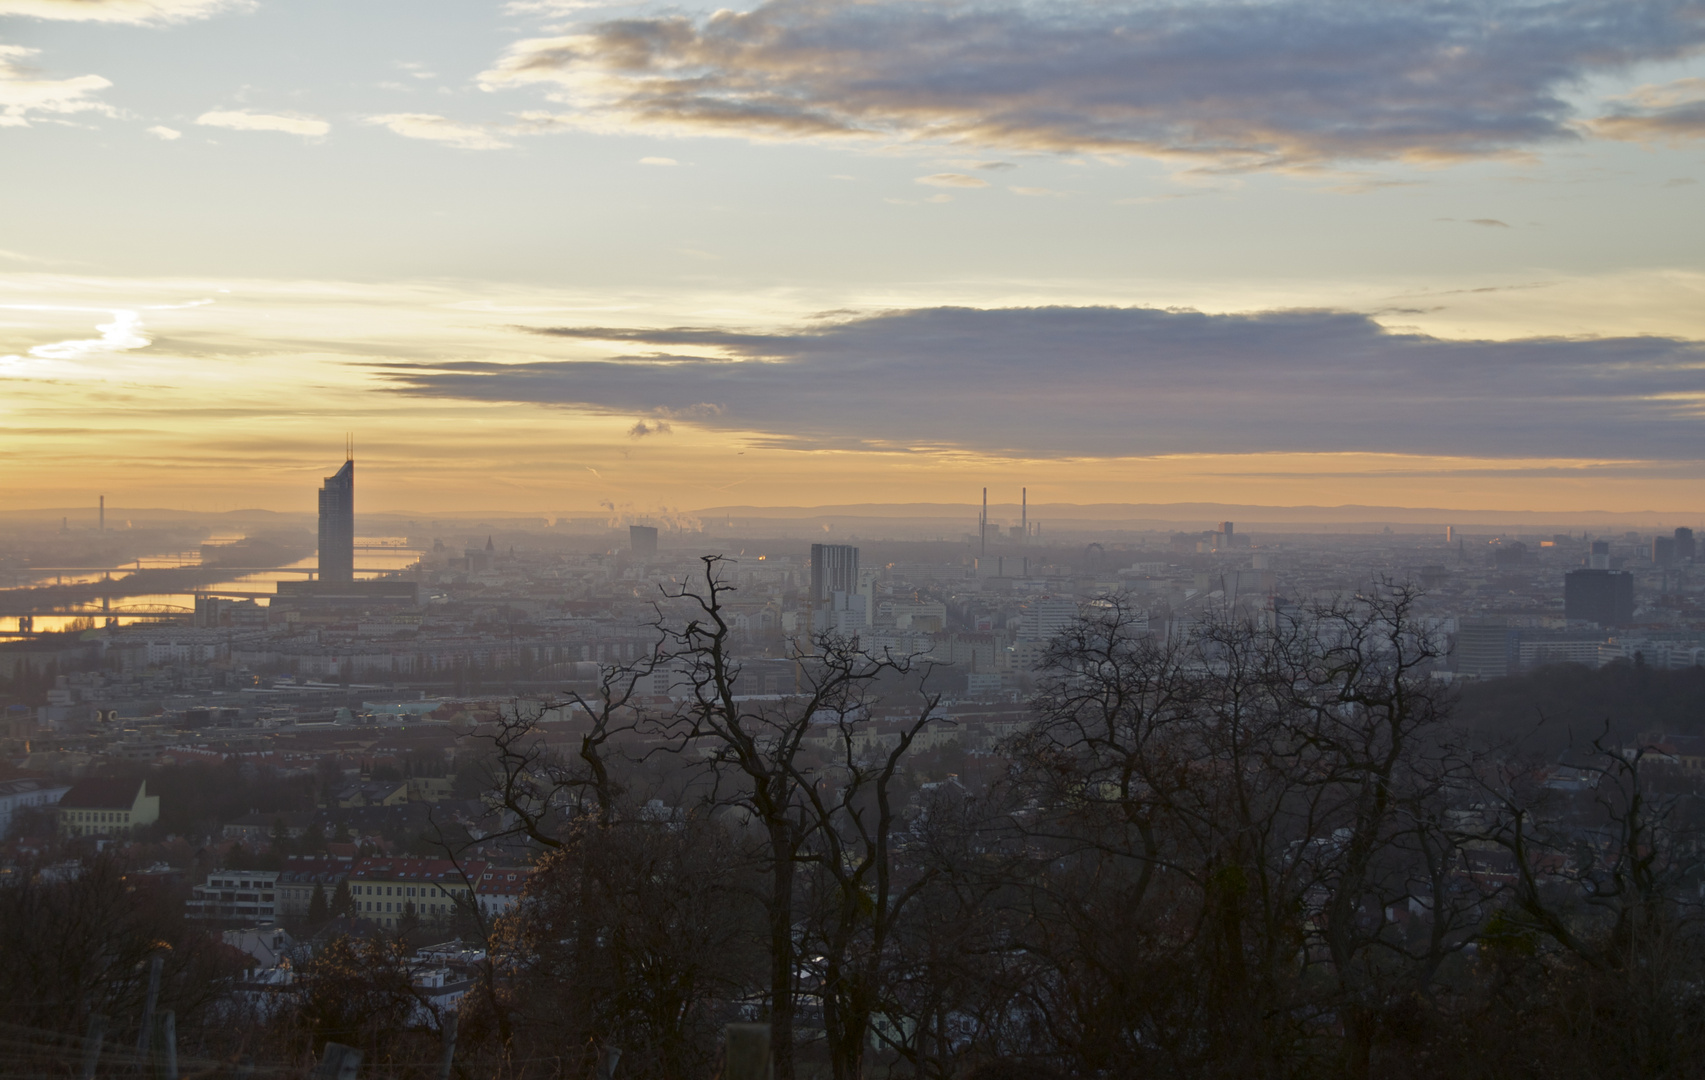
(92, 1045)
(169, 1042)
(746, 1052)
(449, 1034)
(144, 1038)
(339, 1062)
(607, 1062)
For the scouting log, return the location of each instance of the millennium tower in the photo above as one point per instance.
(337, 524)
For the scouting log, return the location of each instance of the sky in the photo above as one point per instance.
(561, 256)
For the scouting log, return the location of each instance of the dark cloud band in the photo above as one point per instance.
(1283, 82)
(1129, 381)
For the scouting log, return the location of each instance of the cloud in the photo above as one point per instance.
(243, 120)
(666, 161)
(1489, 222)
(1671, 113)
(1037, 192)
(641, 429)
(122, 334)
(1062, 382)
(439, 129)
(22, 92)
(1228, 84)
(163, 132)
(121, 11)
(950, 179)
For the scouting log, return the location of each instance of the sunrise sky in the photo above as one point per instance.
(546, 256)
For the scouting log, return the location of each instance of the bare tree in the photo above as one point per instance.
(756, 749)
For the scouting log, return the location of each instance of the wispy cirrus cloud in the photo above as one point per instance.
(121, 11)
(954, 180)
(1281, 83)
(243, 120)
(441, 129)
(25, 93)
(1671, 113)
(1062, 382)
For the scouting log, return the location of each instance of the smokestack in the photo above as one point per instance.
(103, 524)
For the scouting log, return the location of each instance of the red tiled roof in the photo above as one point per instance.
(503, 880)
(382, 869)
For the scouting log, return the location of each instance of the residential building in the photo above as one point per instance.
(107, 806)
(386, 890)
(235, 896)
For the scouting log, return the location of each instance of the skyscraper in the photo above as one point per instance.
(337, 525)
(834, 568)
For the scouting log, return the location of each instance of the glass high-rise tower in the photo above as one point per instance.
(337, 525)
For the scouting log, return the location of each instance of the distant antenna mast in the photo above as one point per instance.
(983, 527)
(103, 513)
(1024, 512)
(349, 446)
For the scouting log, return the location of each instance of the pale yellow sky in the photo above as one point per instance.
(230, 394)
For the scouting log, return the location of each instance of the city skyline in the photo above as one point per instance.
(550, 256)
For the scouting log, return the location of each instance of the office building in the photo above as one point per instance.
(337, 525)
(1605, 597)
(834, 568)
(642, 539)
(1684, 549)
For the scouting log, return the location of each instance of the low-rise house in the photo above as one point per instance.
(387, 890)
(107, 806)
(269, 945)
(26, 794)
(235, 895)
(258, 827)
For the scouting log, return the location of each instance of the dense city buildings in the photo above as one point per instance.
(290, 771)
